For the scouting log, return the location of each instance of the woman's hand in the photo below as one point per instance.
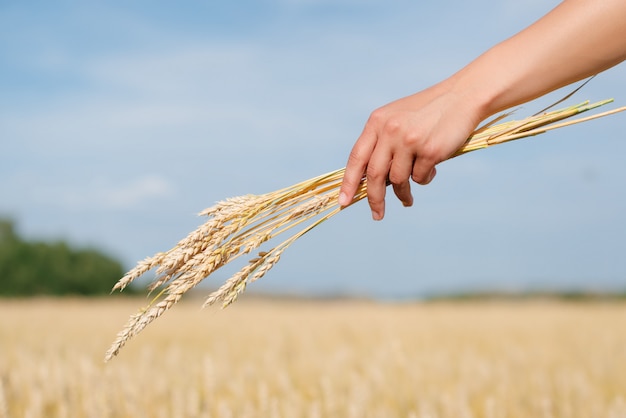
(405, 140)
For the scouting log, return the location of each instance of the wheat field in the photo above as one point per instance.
(300, 358)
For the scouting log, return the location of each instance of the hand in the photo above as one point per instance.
(405, 140)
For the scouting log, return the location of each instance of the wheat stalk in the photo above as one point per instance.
(238, 226)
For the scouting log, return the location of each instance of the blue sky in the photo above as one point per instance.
(120, 121)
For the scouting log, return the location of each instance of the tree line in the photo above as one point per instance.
(29, 268)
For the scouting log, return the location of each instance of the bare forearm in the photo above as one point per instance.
(407, 138)
(577, 39)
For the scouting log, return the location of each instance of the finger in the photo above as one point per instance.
(423, 173)
(355, 168)
(399, 175)
(377, 173)
(403, 192)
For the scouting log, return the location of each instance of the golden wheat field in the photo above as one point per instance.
(291, 358)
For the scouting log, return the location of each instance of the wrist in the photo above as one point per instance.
(491, 84)
(471, 96)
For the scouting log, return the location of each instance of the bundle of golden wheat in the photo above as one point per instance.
(239, 226)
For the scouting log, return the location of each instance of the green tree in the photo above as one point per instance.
(52, 268)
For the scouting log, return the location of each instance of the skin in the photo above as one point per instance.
(405, 139)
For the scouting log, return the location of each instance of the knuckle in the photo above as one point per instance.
(375, 202)
(419, 179)
(374, 175)
(355, 157)
(413, 139)
(395, 178)
(377, 116)
(424, 175)
(394, 127)
(428, 152)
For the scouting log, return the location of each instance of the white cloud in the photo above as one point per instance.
(134, 193)
(189, 69)
(104, 194)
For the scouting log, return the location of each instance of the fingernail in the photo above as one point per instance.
(377, 216)
(344, 200)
